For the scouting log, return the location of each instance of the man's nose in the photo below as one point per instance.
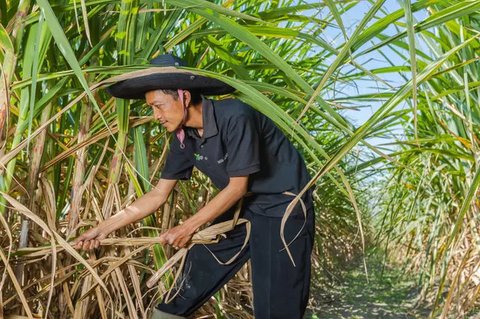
(156, 113)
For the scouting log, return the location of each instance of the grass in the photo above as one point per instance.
(388, 293)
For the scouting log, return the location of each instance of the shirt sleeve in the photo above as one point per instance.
(242, 146)
(178, 164)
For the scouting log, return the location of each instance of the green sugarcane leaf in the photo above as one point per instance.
(67, 51)
(243, 34)
(333, 9)
(5, 42)
(140, 156)
(413, 61)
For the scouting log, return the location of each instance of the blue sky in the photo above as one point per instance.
(374, 59)
(370, 61)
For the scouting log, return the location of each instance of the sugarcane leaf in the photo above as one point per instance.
(5, 42)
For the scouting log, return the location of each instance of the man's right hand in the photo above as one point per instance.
(142, 207)
(89, 239)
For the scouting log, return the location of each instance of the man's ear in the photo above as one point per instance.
(187, 97)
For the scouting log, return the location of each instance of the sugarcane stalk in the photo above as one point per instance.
(80, 167)
(8, 68)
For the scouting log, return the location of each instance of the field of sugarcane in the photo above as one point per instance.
(404, 182)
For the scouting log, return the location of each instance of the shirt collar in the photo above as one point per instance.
(209, 122)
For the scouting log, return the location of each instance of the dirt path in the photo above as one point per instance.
(385, 295)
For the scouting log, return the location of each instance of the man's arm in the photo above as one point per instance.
(179, 236)
(142, 207)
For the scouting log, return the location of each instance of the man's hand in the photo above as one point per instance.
(180, 236)
(142, 207)
(177, 237)
(89, 239)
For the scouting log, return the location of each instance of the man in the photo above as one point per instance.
(246, 156)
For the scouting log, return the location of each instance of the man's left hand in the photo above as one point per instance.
(177, 237)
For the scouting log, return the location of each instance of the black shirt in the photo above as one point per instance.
(239, 141)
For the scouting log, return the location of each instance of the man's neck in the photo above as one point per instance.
(195, 117)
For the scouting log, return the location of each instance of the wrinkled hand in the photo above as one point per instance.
(89, 239)
(177, 237)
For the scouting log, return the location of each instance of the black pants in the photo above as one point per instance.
(280, 290)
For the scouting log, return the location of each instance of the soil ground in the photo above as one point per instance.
(387, 294)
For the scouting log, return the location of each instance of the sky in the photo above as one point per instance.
(371, 61)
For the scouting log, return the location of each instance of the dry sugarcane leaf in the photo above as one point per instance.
(144, 72)
(126, 295)
(10, 239)
(16, 284)
(208, 235)
(48, 192)
(112, 267)
(179, 255)
(286, 215)
(22, 209)
(14, 152)
(101, 303)
(136, 284)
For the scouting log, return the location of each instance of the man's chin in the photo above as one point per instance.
(170, 128)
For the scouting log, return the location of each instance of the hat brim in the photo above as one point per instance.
(138, 83)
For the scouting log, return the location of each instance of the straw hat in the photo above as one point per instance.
(167, 76)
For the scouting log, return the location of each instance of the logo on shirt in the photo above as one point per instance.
(220, 161)
(199, 157)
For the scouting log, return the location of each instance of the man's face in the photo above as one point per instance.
(167, 110)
